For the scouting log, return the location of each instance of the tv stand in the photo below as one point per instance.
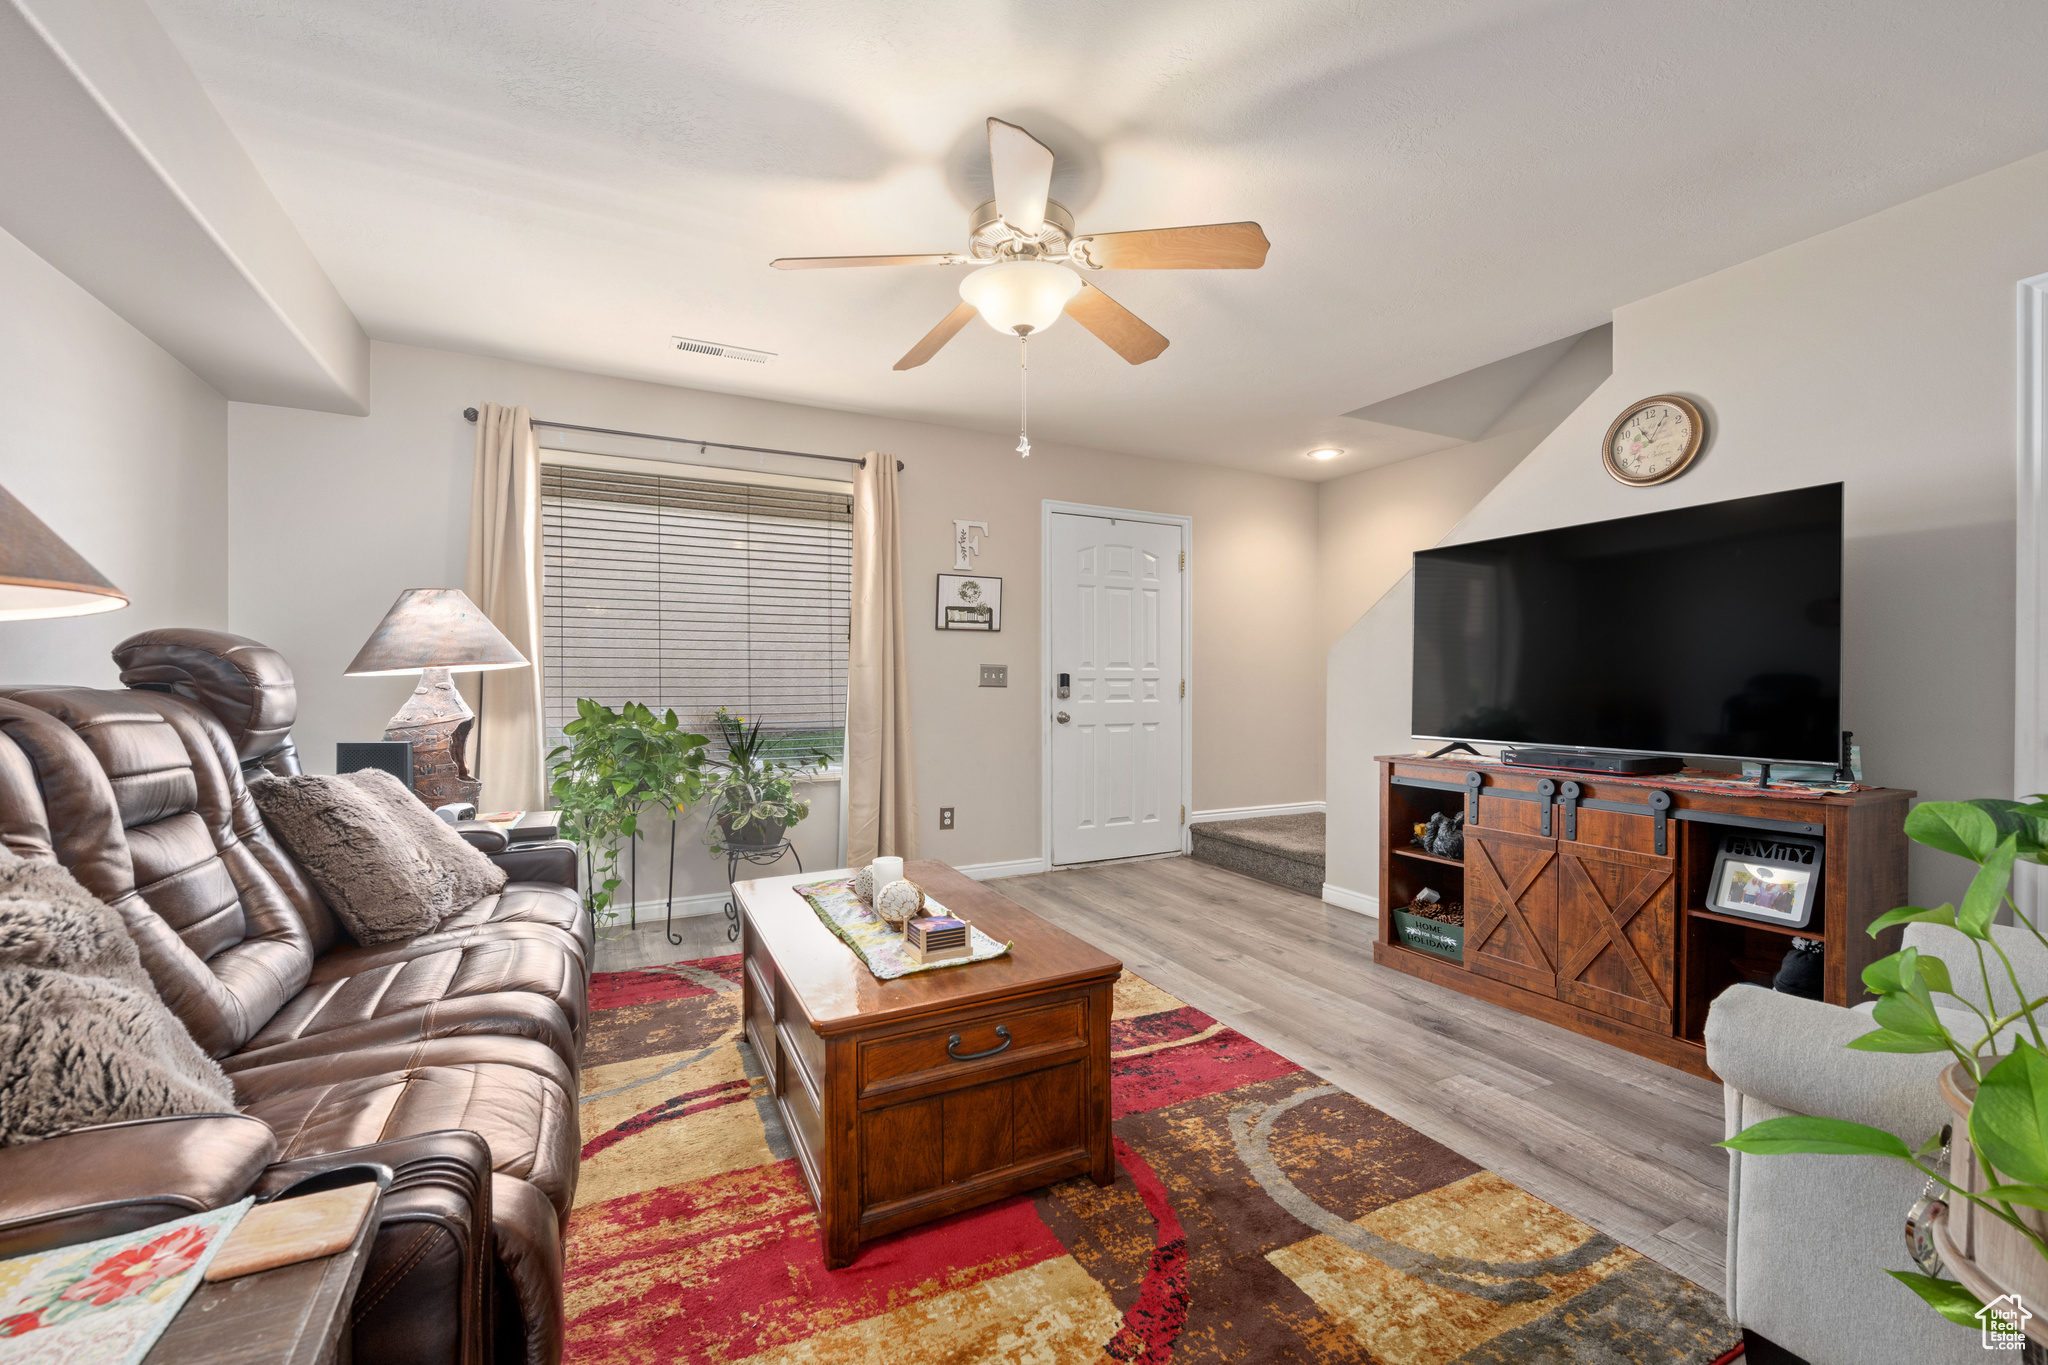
(1585, 898)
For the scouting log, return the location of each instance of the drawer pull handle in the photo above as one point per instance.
(953, 1046)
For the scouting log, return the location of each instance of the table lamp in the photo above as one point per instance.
(435, 632)
(41, 576)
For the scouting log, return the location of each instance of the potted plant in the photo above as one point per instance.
(752, 791)
(617, 766)
(2000, 1098)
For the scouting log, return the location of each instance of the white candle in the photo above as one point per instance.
(886, 870)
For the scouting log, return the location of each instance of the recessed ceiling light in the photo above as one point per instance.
(1326, 453)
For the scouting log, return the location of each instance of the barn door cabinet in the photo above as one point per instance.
(1585, 896)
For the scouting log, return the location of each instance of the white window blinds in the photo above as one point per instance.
(695, 594)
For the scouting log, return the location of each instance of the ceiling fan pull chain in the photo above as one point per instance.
(1024, 395)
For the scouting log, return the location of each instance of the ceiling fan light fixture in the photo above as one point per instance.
(1020, 298)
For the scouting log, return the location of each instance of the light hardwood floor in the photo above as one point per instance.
(1622, 1143)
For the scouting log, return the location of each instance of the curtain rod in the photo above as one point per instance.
(469, 415)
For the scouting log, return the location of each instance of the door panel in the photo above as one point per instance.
(1115, 600)
(1511, 907)
(1616, 924)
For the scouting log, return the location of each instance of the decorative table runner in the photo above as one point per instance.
(876, 942)
(106, 1301)
(1686, 779)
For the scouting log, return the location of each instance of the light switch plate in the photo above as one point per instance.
(995, 675)
(945, 817)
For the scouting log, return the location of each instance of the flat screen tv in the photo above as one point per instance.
(1713, 631)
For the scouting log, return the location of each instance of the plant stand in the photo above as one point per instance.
(763, 856)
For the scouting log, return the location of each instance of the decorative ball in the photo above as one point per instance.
(864, 885)
(898, 903)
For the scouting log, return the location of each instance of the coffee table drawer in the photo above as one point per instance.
(964, 1049)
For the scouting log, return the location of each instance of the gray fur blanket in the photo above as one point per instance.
(83, 1037)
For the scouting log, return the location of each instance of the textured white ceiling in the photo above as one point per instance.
(1444, 184)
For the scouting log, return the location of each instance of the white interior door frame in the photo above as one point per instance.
(2030, 643)
(1047, 510)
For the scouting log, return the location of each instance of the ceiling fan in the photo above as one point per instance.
(1024, 243)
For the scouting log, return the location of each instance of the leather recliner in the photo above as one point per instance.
(451, 1057)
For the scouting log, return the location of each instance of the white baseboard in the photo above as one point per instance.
(711, 903)
(1346, 899)
(1018, 867)
(1210, 817)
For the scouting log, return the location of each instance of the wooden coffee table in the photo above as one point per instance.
(911, 1099)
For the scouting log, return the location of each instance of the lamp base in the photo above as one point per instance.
(437, 721)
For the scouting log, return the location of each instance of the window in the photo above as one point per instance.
(683, 590)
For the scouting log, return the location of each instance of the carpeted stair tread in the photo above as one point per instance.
(1286, 850)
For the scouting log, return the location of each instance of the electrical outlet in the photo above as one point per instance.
(995, 675)
(945, 817)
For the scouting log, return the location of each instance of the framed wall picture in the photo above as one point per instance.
(970, 602)
(1769, 877)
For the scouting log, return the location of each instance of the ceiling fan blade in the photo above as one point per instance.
(1217, 246)
(1022, 166)
(833, 262)
(938, 336)
(1120, 328)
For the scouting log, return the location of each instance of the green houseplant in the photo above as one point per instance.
(752, 790)
(616, 767)
(2003, 1093)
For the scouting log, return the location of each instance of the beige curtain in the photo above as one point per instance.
(881, 779)
(504, 580)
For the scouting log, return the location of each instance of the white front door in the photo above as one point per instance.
(1115, 605)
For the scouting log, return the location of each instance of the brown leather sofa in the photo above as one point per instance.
(450, 1058)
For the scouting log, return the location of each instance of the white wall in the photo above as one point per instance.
(335, 515)
(1369, 524)
(1880, 354)
(122, 451)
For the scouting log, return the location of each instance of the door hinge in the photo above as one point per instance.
(1183, 687)
(1183, 815)
(1183, 561)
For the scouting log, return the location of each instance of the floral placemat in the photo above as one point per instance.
(876, 942)
(107, 1301)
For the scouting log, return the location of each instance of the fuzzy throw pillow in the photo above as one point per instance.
(375, 866)
(468, 875)
(83, 1037)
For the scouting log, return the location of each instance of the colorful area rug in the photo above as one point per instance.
(1259, 1215)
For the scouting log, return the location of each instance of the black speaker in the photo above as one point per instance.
(394, 756)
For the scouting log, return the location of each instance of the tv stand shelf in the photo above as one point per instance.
(1422, 857)
(1698, 912)
(1590, 913)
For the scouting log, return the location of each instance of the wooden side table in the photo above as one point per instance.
(293, 1315)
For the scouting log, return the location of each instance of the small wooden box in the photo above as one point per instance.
(937, 940)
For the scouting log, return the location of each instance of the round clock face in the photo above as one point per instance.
(1653, 440)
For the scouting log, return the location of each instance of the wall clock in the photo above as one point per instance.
(1653, 440)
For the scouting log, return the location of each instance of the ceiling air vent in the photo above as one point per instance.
(719, 348)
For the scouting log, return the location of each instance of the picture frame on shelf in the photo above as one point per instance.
(1774, 878)
(969, 602)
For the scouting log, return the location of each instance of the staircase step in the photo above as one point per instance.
(1286, 850)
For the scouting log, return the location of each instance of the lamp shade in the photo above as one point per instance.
(434, 628)
(1020, 297)
(42, 576)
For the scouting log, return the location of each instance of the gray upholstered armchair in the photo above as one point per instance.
(1810, 1237)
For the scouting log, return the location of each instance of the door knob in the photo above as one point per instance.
(1062, 718)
